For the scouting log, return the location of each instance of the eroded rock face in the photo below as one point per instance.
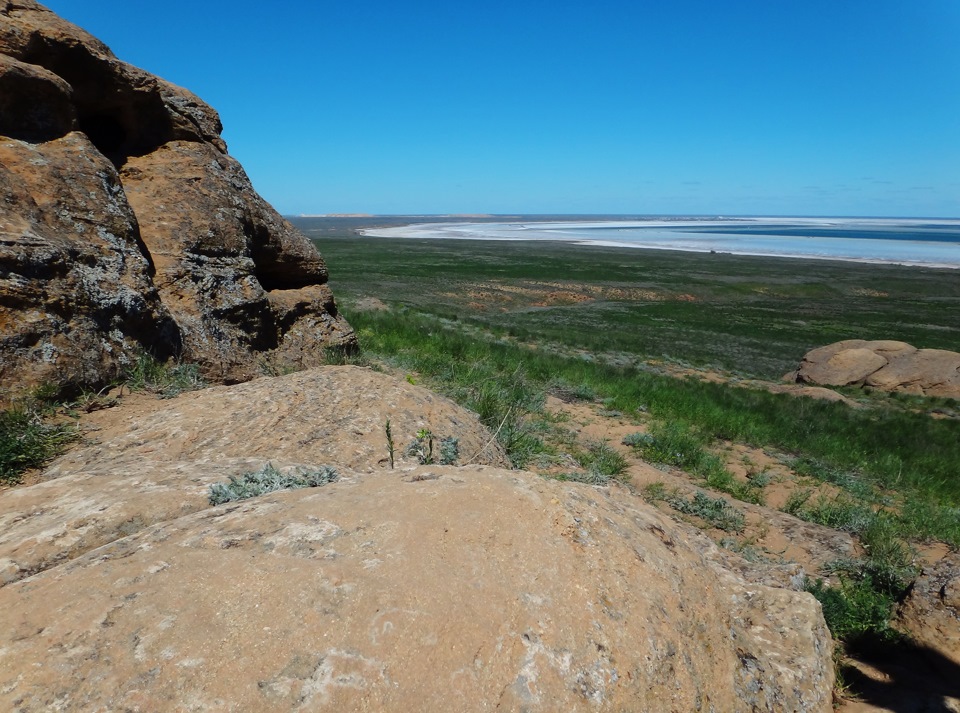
(125, 225)
(884, 364)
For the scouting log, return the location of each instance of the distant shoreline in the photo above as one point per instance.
(876, 240)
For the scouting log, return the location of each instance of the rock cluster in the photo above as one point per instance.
(420, 588)
(885, 365)
(125, 226)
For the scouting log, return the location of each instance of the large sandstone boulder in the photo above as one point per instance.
(125, 226)
(420, 588)
(885, 365)
(438, 589)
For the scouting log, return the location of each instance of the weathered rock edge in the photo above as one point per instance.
(443, 589)
(125, 225)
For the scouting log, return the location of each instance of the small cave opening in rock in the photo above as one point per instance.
(106, 133)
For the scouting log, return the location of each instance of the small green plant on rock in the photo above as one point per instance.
(421, 448)
(267, 480)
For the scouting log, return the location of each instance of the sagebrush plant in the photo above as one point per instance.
(267, 480)
(638, 440)
(29, 438)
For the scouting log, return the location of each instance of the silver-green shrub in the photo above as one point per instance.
(267, 480)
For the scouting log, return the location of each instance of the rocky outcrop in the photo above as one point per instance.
(125, 226)
(931, 614)
(884, 365)
(420, 588)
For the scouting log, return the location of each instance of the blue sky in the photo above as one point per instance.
(762, 107)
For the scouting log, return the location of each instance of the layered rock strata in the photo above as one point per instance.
(125, 226)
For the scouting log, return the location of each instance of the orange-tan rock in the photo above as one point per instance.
(438, 589)
(931, 614)
(125, 226)
(422, 588)
(159, 465)
(885, 365)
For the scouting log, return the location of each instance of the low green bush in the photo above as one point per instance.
(267, 480)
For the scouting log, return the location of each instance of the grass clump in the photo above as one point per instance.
(677, 444)
(166, 380)
(855, 610)
(861, 606)
(601, 463)
(28, 439)
(267, 480)
(715, 512)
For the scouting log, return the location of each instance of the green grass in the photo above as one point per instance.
(29, 438)
(753, 316)
(906, 453)
(166, 380)
(600, 462)
(676, 443)
(714, 512)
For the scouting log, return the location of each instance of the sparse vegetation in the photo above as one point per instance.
(29, 437)
(166, 380)
(480, 327)
(714, 512)
(267, 480)
(421, 448)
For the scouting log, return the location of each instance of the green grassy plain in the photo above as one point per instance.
(747, 315)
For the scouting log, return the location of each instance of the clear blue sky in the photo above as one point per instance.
(767, 107)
